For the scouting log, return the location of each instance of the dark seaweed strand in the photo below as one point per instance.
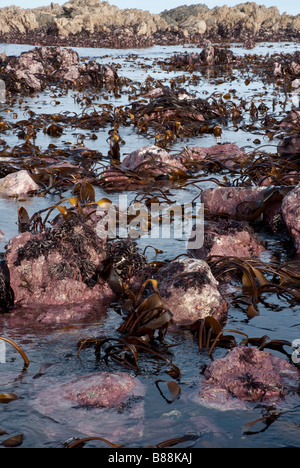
(74, 259)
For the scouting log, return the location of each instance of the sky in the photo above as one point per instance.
(157, 6)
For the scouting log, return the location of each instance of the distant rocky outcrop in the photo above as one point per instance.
(98, 24)
(239, 22)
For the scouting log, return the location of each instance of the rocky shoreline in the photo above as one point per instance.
(91, 23)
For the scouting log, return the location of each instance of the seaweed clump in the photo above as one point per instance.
(74, 240)
(125, 267)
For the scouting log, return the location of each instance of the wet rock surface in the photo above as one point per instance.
(248, 375)
(231, 239)
(154, 159)
(104, 404)
(190, 291)
(228, 155)
(58, 266)
(18, 183)
(209, 57)
(291, 215)
(238, 202)
(42, 66)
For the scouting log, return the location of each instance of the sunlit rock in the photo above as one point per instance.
(17, 183)
(153, 158)
(59, 266)
(190, 291)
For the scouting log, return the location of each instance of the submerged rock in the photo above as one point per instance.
(58, 266)
(190, 291)
(231, 239)
(246, 374)
(227, 200)
(18, 183)
(152, 159)
(105, 405)
(291, 215)
(227, 155)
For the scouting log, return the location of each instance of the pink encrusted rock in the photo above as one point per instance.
(102, 390)
(190, 291)
(34, 69)
(227, 154)
(292, 120)
(152, 158)
(291, 215)
(59, 266)
(228, 200)
(231, 239)
(17, 183)
(247, 375)
(104, 404)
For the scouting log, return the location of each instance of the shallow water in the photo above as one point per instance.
(57, 346)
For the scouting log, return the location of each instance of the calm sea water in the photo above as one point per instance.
(57, 346)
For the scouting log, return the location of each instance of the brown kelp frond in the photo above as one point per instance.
(258, 277)
(79, 443)
(146, 318)
(20, 351)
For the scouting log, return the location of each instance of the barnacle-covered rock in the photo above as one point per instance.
(190, 291)
(246, 374)
(59, 266)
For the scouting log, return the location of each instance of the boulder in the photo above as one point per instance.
(231, 239)
(291, 215)
(58, 266)
(190, 291)
(227, 155)
(154, 159)
(108, 405)
(228, 200)
(17, 183)
(246, 374)
(35, 69)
